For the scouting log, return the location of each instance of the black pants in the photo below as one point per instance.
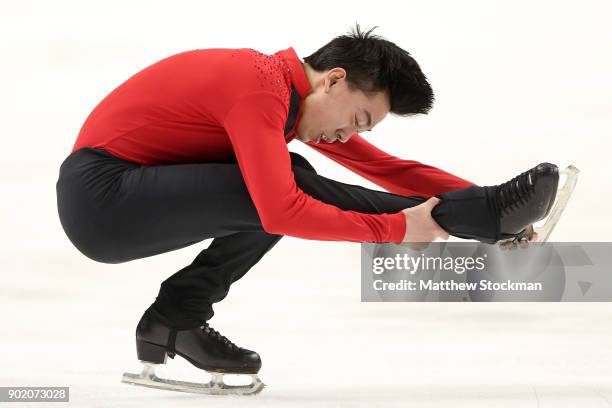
(115, 211)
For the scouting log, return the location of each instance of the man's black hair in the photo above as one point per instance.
(374, 64)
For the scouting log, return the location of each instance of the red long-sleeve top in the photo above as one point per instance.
(211, 104)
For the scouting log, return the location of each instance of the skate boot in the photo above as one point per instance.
(203, 347)
(529, 198)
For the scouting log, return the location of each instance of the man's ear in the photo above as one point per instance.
(330, 81)
(337, 74)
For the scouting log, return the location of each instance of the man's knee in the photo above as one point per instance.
(300, 161)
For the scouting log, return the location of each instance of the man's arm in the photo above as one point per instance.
(398, 176)
(255, 125)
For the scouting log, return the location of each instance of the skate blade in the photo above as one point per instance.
(563, 196)
(216, 386)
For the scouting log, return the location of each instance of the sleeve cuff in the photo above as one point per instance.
(398, 227)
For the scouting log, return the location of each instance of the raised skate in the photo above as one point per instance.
(534, 196)
(203, 347)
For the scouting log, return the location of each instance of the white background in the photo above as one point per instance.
(516, 84)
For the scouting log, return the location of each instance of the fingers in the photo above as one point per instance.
(431, 202)
(418, 246)
(439, 233)
(443, 234)
(428, 229)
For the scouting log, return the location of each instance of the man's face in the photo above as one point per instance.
(332, 112)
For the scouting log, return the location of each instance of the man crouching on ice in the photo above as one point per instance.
(194, 147)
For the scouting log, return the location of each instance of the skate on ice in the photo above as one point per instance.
(203, 347)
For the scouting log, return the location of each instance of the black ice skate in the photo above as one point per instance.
(203, 347)
(529, 198)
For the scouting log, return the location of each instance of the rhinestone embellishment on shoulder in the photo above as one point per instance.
(273, 74)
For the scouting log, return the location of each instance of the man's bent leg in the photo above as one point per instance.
(185, 299)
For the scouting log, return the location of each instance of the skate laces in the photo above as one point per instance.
(515, 193)
(215, 334)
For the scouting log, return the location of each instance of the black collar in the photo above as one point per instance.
(294, 106)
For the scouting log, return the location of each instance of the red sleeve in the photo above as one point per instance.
(398, 176)
(255, 125)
